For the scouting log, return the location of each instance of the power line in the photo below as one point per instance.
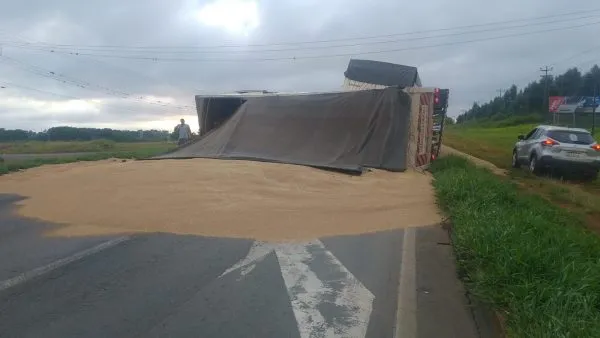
(545, 70)
(593, 60)
(134, 49)
(575, 55)
(85, 85)
(8, 85)
(144, 75)
(294, 58)
(555, 63)
(59, 77)
(550, 68)
(341, 39)
(147, 77)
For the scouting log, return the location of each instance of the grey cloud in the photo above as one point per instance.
(472, 71)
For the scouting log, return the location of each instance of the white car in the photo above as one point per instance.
(572, 150)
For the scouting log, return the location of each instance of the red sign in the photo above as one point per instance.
(572, 104)
(555, 102)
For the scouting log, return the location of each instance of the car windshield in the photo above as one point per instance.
(572, 137)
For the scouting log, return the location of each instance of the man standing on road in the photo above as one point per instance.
(184, 133)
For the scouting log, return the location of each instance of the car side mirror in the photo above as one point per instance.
(521, 137)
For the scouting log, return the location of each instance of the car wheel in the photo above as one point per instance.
(515, 160)
(533, 165)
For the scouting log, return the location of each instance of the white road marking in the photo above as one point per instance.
(406, 317)
(307, 293)
(24, 277)
(350, 303)
(257, 253)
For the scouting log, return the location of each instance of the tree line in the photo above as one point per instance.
(530, 104)
(83, 134)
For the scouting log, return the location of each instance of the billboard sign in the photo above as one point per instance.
(572, 104)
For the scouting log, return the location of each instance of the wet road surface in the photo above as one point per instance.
(165, 285)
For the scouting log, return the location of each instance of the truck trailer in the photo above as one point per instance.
(425, 107)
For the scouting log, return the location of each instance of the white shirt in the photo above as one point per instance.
(184, 131)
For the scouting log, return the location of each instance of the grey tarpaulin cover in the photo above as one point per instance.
(382, 73)
(346, 130)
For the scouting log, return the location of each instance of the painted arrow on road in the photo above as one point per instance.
(327, 300)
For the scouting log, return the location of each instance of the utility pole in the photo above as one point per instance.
(594, 105)
(500, 94)
(545, 70)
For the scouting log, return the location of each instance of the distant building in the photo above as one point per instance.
(369, 74)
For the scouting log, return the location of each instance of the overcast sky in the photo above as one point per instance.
(111, 84)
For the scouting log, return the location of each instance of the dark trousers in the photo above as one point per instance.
(182, 141)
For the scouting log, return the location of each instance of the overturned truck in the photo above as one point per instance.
(389, 128)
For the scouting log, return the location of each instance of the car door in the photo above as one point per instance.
(534, 140)
(524, 146)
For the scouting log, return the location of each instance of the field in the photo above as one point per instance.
(66, 152)
(531, 260)
(39, 147)
(495, 145)
(491, 144)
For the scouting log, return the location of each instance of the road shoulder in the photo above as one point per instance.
(443, 308)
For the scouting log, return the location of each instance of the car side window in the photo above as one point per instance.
(537, 134)
(530, 134)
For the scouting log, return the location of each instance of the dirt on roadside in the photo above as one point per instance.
(220, 198)
(477, 161)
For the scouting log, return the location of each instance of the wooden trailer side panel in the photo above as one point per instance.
(421, 127)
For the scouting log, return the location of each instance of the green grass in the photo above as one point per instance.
(39, 147)
(532, 261)
(499, 120)
(11, 166)
(98, 150)
(491, 144)
(495, 145)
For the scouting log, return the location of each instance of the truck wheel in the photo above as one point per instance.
(515, 160)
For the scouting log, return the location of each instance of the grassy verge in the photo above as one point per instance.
(7, 167)
(491, 144)
(533, 262)
(495, 145)
(38, 147)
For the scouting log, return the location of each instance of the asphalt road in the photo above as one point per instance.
(165, 285)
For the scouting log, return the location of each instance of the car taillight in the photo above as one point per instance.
(596, 147)
(549, 142)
